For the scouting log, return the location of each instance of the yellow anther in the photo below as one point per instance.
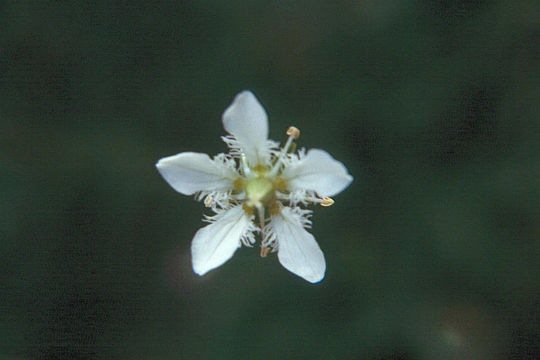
(273, 208)
(326, 201)
(260, 169)
(280, 184)
(294, 132)
(239, 184)
(265, 251)
(247, 209)
(208, 201)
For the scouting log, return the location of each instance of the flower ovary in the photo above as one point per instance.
(259, 191)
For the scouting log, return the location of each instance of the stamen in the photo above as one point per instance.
(292, 148)
(327, 201)
(293, 134)
(280, 184)
(260, 169)
(208, 201)
(265, 251)
(247, 209)
(309, 198)
(239, 184)
(273, 208)
(244, 164)
(261, 218)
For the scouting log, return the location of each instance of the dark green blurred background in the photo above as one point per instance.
(432, 253)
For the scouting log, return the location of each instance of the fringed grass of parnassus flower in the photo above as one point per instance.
(259, 190)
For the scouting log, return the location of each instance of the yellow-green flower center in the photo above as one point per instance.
(259, 191)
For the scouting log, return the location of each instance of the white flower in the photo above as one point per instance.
(257, 188)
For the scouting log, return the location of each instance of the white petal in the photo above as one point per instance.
(190, 172)
(319, 172)
(216, 243)
(298, 251)
(247, 121)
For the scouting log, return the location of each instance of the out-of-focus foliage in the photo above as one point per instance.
(432, 252)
